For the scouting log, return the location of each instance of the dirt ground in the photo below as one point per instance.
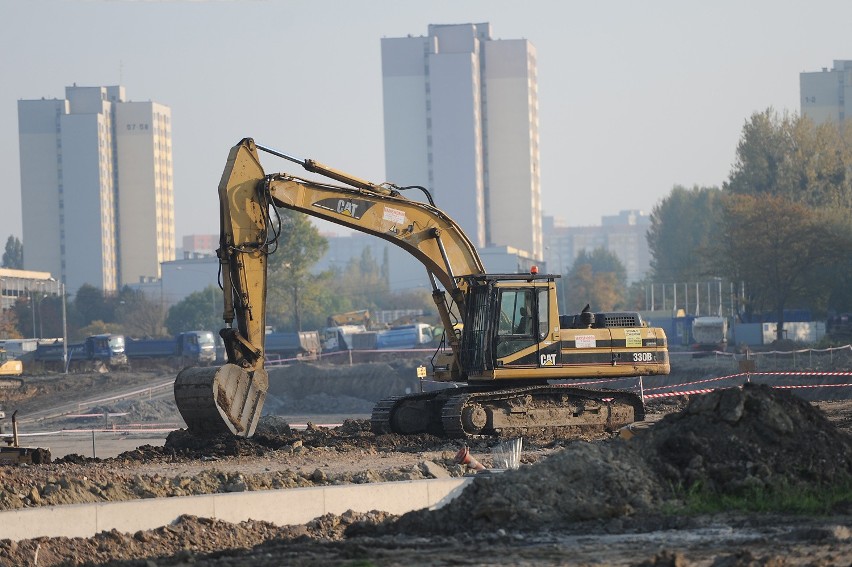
(601, 500)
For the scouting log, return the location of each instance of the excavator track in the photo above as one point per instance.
(474, 412)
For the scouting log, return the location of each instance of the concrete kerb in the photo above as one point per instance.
(282, 507)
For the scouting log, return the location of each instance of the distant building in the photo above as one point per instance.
(25, 283)
(198, 245)
(97, 189)
(827, 95)
(461, 118)
(624, 235)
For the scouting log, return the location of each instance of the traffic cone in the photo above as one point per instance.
(463, 457)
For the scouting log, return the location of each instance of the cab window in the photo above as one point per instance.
(516, 312)
(543, 314)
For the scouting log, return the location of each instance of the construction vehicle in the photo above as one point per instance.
(9, 367)
(359, 317)
(709, 334)
(14, 454)
(186, 348)
(96, 353)
(8, 370)
(512, 355)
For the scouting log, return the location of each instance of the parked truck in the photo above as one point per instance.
(299, 345)
(415, 335)
(97, 352)
(339, 338)
(190, 348)
(709, 334)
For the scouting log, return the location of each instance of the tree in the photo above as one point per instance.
(200, 310)
(789, 156)
(90, 305)
(13, 257)
(9, 324)
(683, 225)
(293, 292)
(776, 247)
(138, 315)
(597, 278)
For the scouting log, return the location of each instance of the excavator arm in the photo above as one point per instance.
(230, 398)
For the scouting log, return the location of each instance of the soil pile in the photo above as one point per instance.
(754, 437)
(727, 440)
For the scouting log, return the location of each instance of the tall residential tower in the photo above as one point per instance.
(96, 187)
(827, 94)
(461, 117)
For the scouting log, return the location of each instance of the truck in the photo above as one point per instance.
(185, 348)
(512, 360)
(303, 345)
(96, 352)
(709, 334)
(340, 338)
(415, 335)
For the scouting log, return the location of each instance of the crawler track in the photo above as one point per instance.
(473, 412)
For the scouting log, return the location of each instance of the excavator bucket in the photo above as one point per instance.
(221, 400)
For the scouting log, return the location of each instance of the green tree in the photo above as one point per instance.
(9, 324)
(90, 305)
(776, 247)
(295, 295)
(597, 278)
(789, 156)
(200, 310)
(684, 225)
(362, 284)
(138, 315)
(13, 257)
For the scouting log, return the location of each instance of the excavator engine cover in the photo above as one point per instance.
(221, 400)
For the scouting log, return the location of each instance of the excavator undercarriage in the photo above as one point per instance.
(473, 412)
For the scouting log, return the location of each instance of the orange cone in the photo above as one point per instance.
(463, 457)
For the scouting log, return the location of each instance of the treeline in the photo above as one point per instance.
(780, 225)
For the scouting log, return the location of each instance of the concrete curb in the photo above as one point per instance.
(282, 507)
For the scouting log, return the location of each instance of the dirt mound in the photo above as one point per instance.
(727, 440)
(755, 437)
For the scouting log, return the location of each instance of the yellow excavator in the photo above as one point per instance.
(509, 352)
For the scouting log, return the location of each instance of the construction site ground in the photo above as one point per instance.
(596, 500)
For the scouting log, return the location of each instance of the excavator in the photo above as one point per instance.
(508, 357)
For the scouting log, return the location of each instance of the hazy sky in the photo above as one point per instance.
(634, 97)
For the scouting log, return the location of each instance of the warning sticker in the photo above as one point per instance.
(633, 337)
(394, 215)
(585, 341)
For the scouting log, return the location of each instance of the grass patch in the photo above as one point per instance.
(801, 499)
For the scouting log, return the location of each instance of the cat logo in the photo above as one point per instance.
(347, 208)
(354, 208)
(548, 360)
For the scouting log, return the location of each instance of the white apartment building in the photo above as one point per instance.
(827, 95)
(96, 187)
(461, 119)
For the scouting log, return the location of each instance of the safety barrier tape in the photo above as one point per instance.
(684, 393)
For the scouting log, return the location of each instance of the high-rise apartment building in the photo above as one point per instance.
(96, 187)
(461, 118)
(827, 94)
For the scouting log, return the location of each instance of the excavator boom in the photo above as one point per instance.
(231, 398)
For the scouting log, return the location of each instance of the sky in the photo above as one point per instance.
(634, 97)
